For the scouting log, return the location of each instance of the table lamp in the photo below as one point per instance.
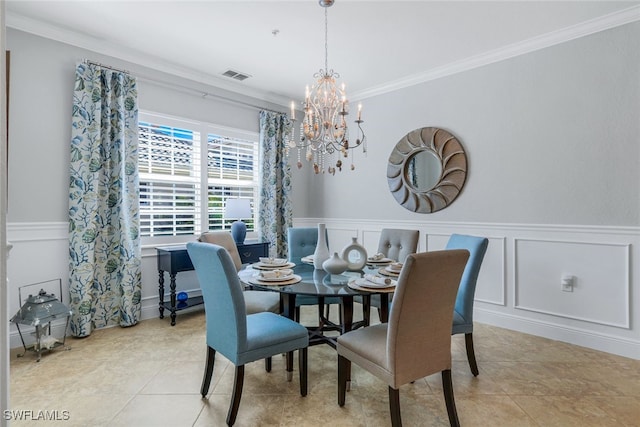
(238, 209)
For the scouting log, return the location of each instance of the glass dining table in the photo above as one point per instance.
(320, 284)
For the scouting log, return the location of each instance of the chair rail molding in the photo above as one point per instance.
(37, 231)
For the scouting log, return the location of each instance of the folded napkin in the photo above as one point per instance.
(378, 280)
(272, 260)
(396, 267)
(376, 257)
(275, 274)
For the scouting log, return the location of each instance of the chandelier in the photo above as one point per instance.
(323, 129)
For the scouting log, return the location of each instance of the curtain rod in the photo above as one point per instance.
(88, 61)
(184, 88)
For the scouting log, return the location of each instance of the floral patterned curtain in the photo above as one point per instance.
(104, 243)
(275, 213)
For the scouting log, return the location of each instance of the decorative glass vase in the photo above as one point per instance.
(321, 253)
(355, 255)
(335, 265)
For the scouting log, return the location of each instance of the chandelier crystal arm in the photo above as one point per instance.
(323, 129)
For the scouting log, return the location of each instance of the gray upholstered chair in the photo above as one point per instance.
(397, 243)
(256, 301)
(463, 311)
(417, 340)
(302, 242)
(240, 337)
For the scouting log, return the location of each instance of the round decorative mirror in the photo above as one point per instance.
(427, 170)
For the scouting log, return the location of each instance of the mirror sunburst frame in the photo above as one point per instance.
(401, 170)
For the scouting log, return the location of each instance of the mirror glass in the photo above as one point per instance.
(423, 170)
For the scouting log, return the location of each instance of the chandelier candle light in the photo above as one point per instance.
(323, 129)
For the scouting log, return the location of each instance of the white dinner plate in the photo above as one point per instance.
(362, 282)
(380, 261)
(385, 272)
(353, 285)
(273, 261)
(273, 279)
(262, 266)
(293, 279)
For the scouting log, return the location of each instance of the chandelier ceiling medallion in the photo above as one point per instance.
(323, 129)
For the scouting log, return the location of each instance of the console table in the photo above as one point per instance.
(174, 259)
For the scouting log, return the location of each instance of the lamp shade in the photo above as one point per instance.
(238, 209)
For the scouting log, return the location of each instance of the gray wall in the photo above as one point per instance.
(552, 137)
(42, 79)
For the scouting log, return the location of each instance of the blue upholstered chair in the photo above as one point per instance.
(463, 311)
(239, 337)
(416, 342)
(302, 242)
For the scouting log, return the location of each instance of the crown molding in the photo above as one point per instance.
(586, 28)
(94, 44)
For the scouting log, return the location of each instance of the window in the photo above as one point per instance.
(176, 196)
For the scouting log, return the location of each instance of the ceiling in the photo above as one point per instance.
(376, 46)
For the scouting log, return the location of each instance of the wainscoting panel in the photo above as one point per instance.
(370, 239)
(491, 284)
(519, 283)
(600, 272)
(492, 281)
(518, 287)
(337, 237)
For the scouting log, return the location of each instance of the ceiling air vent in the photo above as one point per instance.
(236, 75)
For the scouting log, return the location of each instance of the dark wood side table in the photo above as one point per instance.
(174, 259)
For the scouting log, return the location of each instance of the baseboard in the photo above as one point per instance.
(589, 339)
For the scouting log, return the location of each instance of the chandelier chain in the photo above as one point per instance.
(326, 43)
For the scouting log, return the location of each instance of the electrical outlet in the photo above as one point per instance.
(567, 283)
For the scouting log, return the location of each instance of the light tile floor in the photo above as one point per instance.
(150, 374)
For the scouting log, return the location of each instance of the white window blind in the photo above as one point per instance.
(232, 173)
(176, 197)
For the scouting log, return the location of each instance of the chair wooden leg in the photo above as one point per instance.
(302, 367)
(289, 363)
(366, 310)
(394, 407)
(447, 387)
(296, 315)
(471, 355)
(267, 364)
(344, 365)
(208, 371)
(235, 397)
